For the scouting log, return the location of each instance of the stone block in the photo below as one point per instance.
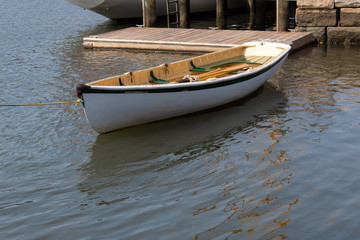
(347, 3)
(349, 17)
(319, 33)
(315, 17)
(343, 35)
(315, 4)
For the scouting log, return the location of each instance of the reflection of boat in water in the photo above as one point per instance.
(121, 9)
(176, 135)
(179, 88)
(195, 164)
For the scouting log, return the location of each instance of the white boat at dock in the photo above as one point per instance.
(122, 9)
(179, 88)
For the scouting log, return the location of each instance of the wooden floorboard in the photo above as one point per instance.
(190, 39)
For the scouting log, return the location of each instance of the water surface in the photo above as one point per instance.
(281, 164)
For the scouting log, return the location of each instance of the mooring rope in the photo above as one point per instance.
(40, 104)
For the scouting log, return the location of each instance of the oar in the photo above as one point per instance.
(218, 72)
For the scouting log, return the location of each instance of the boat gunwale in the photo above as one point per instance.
(210, 83)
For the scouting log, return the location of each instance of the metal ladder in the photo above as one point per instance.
(172, 9)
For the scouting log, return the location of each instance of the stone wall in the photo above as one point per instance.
(331, 21)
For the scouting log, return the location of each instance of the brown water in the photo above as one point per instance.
(283, 163)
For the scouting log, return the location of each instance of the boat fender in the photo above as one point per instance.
(80, 88)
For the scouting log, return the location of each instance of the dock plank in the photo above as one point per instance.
(185, 39)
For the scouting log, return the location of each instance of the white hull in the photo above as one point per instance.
(109, 108)
(121, 9)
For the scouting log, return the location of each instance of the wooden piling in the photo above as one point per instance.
(221, 6)
(149, 13)
(184, 9)
(251, 4)
(282, 16)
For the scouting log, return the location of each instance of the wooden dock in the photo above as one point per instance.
(185, 39)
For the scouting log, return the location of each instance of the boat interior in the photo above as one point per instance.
(201, 68)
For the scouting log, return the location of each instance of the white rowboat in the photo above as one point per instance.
(179, 88)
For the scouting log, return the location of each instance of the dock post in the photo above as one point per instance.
(282, 15)
(149, 13)
(251, 4)
(221, 6)
(184, 9)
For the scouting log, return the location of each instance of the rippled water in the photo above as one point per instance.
(283, 163)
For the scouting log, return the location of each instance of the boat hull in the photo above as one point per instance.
(123, 9)
(112, 108)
